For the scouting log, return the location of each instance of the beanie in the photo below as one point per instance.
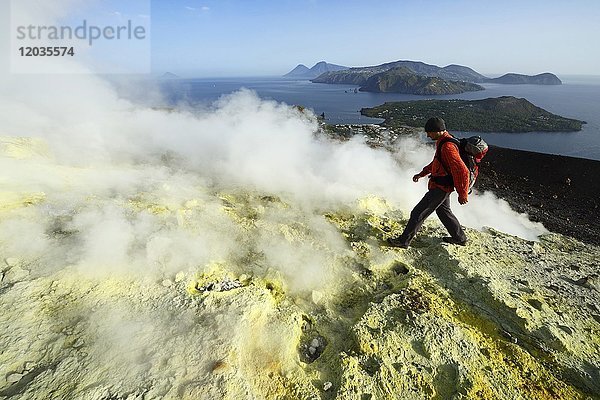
(435, 124)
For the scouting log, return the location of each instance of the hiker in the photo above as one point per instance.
(446, 172)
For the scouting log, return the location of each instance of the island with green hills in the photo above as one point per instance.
(416, 77)
(398, 79)
(520, 79)
(500, 114)
(403, 80)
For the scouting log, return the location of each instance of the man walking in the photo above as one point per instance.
(446, 172)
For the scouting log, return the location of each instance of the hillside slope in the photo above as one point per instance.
(519, 79)
(451, 72)
(403, 80)
(496, 114)
(304, 305)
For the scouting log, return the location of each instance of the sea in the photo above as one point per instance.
(578, 97)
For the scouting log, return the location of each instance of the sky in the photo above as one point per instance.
(236, 38)
(226, 38)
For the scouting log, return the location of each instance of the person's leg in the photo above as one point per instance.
(432, 200)
(450, 221)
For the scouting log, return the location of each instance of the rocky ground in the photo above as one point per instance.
(503, 318)
(299, 304)
(560, 192)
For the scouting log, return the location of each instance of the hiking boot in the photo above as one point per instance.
(397, 242)
(451, 240)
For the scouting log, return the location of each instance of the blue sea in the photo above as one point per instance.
(578, 97)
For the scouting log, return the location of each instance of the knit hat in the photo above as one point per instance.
(435, 124)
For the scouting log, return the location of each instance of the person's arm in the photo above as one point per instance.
(459, 171)
(424, 172)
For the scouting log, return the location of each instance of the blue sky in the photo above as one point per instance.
(232, 37)
(212, 38)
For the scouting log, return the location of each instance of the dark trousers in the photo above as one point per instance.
(434, 200)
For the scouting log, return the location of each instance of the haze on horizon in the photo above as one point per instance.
(225, 38)
(214, 38)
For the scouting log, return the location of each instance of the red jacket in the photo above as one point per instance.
(458, 169)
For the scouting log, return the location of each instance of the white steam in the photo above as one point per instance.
(241, 142)
(141, 187)
(105, 187)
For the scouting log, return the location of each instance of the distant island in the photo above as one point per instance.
(302, 71)
(452, 73)
(518, 79)
(169, 75)
(403, 80)
(500, 114)
(359, 75)
(400, 79)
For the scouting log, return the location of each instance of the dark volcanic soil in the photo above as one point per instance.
(558, 191)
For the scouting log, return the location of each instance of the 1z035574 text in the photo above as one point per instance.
(46, 51)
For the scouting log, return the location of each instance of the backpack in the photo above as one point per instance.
(471, 150)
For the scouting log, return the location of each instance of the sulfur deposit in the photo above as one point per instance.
(181, 289)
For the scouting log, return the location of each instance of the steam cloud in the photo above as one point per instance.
(241, 141)
(92, 157)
